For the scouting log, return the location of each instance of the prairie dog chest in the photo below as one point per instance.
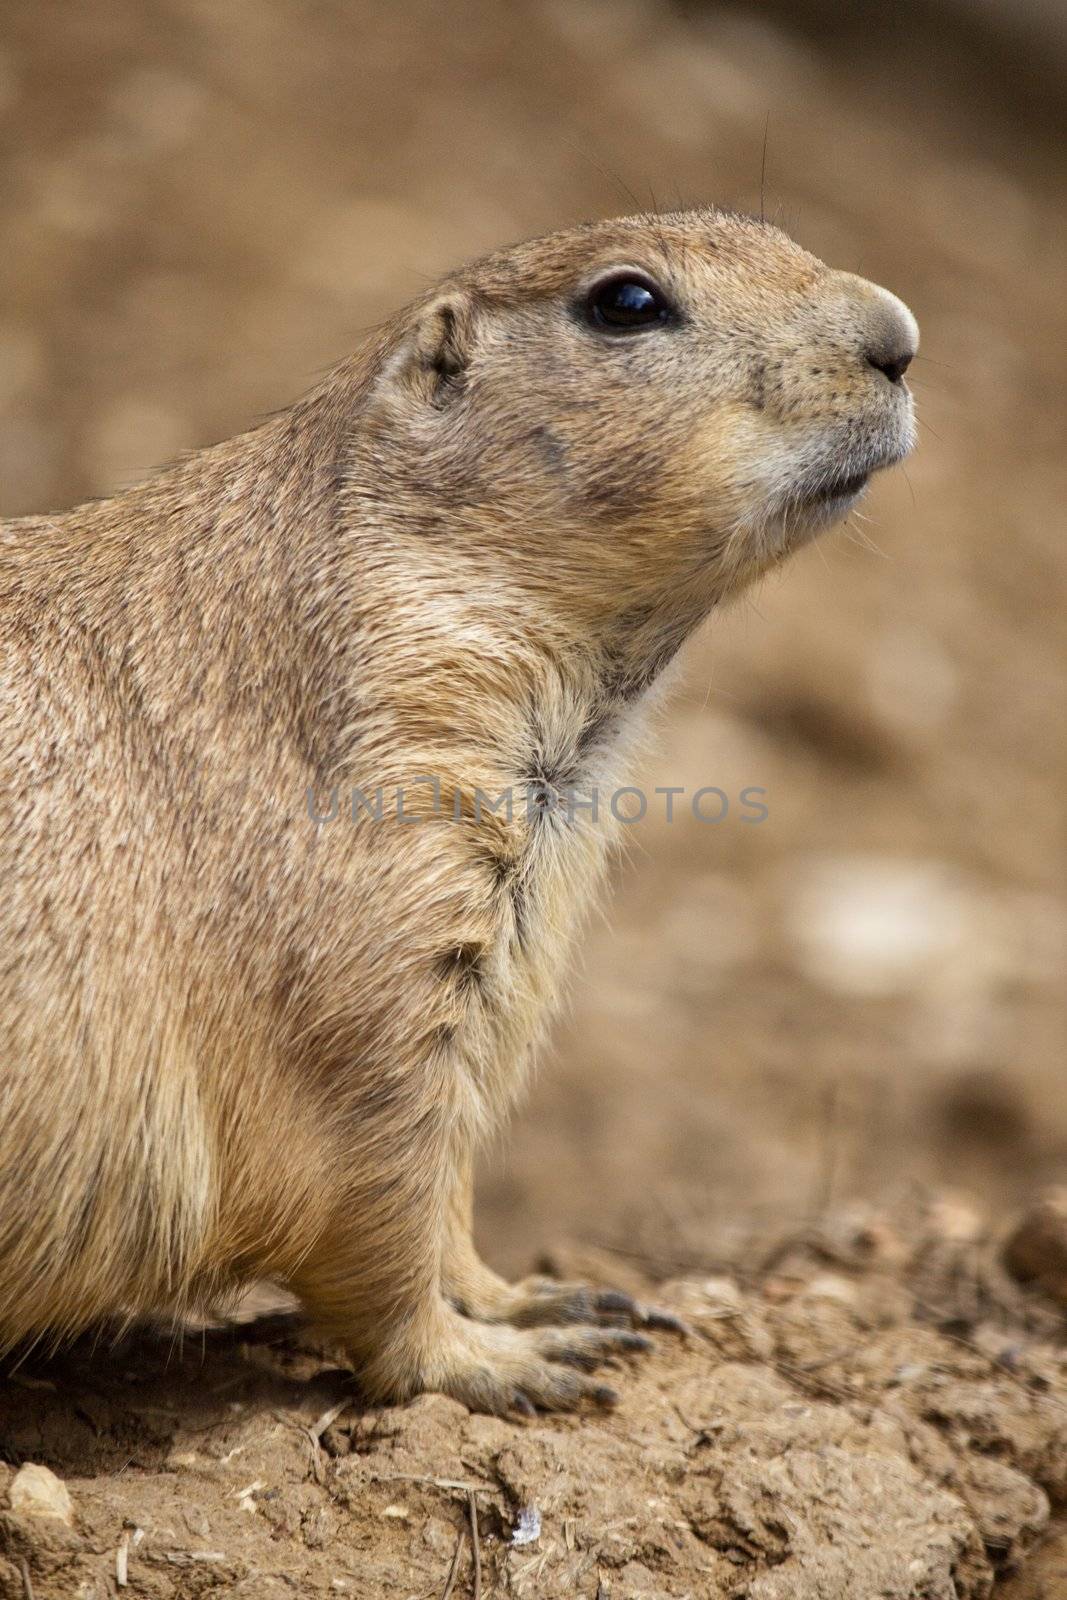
(568, 826)
(564, 822)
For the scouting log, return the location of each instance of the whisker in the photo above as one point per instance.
(606, 172)
(856, 536)
(821, 548)
(763, 168)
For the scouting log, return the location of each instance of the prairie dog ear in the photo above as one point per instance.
(432, 361)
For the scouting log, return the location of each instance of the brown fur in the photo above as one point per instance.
(237, 1042)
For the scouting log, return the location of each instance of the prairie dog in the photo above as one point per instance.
(236, 1041)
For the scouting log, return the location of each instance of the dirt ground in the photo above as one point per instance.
(845, 1023)
(819, 1430)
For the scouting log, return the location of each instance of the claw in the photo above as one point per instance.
(616, 1300)
(624, 1340)
(518, 1372)
(582, 1359)
(590, 1347)
(666, 1321)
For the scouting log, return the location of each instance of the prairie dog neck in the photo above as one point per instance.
(264, 584)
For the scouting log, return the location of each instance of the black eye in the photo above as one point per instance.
(625, 303)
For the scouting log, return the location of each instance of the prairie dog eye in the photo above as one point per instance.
(627, 303)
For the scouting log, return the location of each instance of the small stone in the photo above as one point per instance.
(527, 1526)
(37, 1492)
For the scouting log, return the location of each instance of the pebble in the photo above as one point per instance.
(37, 1492)
(527, 1528)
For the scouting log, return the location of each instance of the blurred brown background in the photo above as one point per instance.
(202, 204)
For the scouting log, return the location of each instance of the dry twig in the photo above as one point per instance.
(453, 1571)
(472, 1507)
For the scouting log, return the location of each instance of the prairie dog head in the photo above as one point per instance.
(644, 406)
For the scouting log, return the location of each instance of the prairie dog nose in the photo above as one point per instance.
(888, 331)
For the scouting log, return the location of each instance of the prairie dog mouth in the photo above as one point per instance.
(845, 487)
(828, 488)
